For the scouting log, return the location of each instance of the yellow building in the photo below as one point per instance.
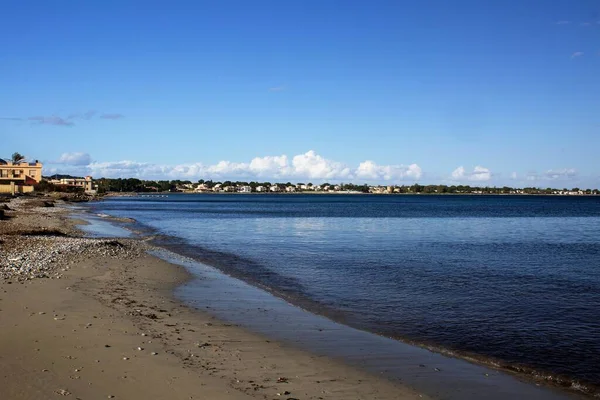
(81, 183)
(19, 177)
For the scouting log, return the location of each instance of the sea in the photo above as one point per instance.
(507, 281)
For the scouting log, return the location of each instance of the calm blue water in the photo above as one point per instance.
(515, 280)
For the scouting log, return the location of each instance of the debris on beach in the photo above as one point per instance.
(30, 250)
(26, 257)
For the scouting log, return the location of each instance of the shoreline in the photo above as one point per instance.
(521, 372)
(528, 375)
(164, 194)
(367, 385)
(91, 331)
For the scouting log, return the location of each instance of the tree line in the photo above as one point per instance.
(139, 185)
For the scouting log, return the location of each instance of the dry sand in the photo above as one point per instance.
(103, 324)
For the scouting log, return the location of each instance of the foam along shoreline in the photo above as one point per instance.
(235, 301)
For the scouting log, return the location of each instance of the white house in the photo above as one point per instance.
(245, 189)
(202, 188)
(217, 187)
(290, 189)
(261, 189)
(274, 188)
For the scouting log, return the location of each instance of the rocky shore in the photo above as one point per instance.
(31, 250)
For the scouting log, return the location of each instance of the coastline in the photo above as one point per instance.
(164, 194)
(91, 328)
(233, 262)
(312, 370)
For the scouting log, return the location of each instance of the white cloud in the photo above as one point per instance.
(372, 171)
(307, 166)
(270, 166)
(121, 169)
(458, 173)
(514, 175)
(577, 54)
(553, 175)
(313, 166)
(75, 159)
(561, 173)
(479, 174)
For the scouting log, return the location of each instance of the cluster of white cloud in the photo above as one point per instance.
(370, 170)
(307, 166)
(74, 159)
(553, 175)
(479, 174)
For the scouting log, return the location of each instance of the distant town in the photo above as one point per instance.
(20, 176)
(105, 185)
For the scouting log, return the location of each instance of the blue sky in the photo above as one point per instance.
(435, 91)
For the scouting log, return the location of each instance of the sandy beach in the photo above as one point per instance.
(95, 319)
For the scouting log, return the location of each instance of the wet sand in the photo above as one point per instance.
(104, 324)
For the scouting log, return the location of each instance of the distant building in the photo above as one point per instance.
(19, 177)
(83, 183)
(290, 189)
(245, 189)
(274, 188)
(261, 189)
(202, 188)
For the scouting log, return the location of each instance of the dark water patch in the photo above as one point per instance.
(433, 374)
